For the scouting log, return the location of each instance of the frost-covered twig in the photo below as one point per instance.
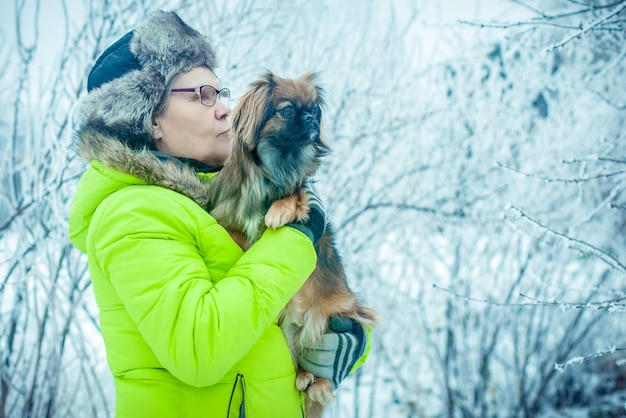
(590, 27)
(548, 19)
(509, 25)
(579, 360)
(609, 305)
(481, 300)
(572, 243)
(562, 180)
(595, 158)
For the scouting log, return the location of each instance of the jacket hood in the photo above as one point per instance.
(115, 166)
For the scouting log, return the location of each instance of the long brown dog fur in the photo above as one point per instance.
(277, 144)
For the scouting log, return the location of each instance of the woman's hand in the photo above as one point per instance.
(339, 350)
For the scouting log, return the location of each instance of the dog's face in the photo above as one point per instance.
(278, 121)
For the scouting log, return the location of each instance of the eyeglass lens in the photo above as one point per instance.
(208, 95)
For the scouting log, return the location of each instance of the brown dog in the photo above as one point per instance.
(277, 144)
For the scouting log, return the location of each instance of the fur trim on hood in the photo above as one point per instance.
(143, 164)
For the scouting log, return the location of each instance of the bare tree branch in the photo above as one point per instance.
(581, 359)
(573, 243)
(590, 26)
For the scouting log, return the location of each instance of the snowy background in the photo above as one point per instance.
(476, 183)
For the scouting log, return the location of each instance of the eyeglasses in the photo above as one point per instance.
(207, 94)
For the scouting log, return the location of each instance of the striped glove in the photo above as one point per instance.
(339, 350)
(315, 226)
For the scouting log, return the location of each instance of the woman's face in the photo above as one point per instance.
(188, 128)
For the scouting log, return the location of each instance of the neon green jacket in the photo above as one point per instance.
(188, 319)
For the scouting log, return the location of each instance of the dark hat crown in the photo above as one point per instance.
(114, 62)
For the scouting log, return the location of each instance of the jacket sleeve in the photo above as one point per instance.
(146, 243)
(368, 347)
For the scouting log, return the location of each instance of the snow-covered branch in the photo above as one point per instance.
(591, 25)
(581, 359)
(547, 233)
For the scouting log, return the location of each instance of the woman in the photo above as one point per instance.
(188, 319)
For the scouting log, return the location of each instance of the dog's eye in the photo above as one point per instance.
(315, 110)
(287, 111)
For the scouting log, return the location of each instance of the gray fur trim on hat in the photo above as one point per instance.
(123, 104)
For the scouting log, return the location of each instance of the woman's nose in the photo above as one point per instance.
(222, 110)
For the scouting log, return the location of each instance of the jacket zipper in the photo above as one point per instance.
(239, 388)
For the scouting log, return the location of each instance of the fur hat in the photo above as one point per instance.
(129, 80)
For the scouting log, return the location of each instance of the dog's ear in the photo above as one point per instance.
(313, 80)
(253, 110)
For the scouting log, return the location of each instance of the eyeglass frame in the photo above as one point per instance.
(198, 91)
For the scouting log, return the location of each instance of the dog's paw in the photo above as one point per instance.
(304, 379)
(288, 209)
(281, 212)
(321, 391)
